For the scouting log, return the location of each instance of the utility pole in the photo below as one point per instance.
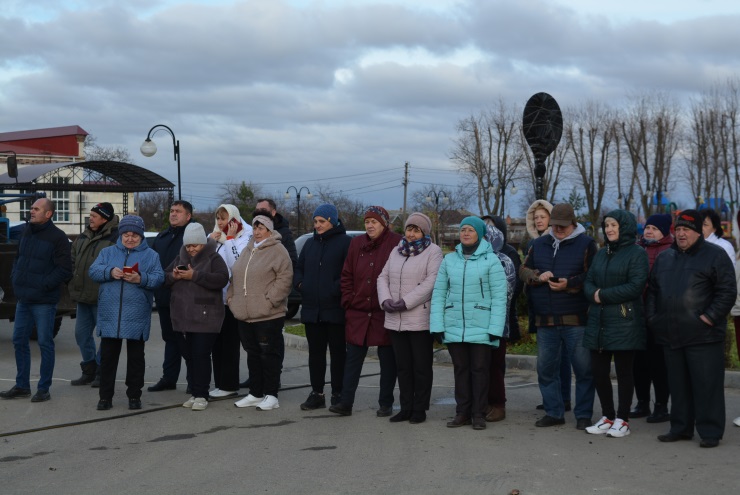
(405, 191)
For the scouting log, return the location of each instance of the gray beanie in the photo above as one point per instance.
(194, 234)
(131, 223)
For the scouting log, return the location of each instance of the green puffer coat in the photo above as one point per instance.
(620, 270)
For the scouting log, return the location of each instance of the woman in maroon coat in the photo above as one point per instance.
(649, 367)
(364, 317)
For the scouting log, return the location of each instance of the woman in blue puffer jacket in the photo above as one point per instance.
(469, 308)
(127, 272)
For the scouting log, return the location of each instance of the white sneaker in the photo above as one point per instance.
(602, 426)
(200, 404)
(268, 403)
(249, 401)
(189, 403)
(217, 393)
(619, 429)
(736, 421)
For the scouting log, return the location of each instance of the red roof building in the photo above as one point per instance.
(44, 145)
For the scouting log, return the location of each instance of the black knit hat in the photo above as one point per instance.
(691, 219)
(105, 210)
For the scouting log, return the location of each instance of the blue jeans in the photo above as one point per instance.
(25, 317)
(550, 342)
(87, 318)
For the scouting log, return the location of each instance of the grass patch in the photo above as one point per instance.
(527, 346)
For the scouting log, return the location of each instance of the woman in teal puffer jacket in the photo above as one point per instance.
(616, 323)
(469, 309)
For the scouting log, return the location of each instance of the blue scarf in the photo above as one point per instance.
(407, 248)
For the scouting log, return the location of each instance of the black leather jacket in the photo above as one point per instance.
(684, 285)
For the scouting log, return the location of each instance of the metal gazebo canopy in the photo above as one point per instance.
(92, 176)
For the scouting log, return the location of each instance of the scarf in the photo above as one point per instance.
(374, 243)
(406, 248)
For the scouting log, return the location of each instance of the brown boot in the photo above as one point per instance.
(496, 414)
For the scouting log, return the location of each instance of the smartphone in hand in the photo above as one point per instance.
(554, 279)
(181, 267)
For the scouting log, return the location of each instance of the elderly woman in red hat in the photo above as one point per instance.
(364, 317)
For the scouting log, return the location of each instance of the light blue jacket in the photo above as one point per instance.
(469, 298)
(125, 309)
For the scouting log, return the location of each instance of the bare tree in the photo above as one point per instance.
(554, 173)
(488, 148)
(94, 152)
(651, 133)
(589, 131)
(154, 209)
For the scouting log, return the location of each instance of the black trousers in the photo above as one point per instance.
(472, 365)
(496, 374)
(319, 337)
(172, 357)
(110, 352)
(601, 368)
(225, 354)
(650, 369)
(196, 349)
(414, 359)
(696, 377)
(263, 341)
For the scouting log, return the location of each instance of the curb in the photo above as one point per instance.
(513, 361)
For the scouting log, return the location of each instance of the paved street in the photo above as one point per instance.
(66, 446)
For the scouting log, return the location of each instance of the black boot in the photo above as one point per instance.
(96, 382)
(88, 373)
(641, 410)
(660, 414)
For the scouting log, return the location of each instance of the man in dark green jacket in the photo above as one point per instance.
(102, 231)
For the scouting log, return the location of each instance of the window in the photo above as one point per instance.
(25, 207)
(61, 200)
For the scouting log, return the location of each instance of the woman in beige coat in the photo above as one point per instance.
(258, 296)
(405, 288)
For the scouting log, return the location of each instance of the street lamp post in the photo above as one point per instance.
(298, 200)
(434, 197)
(148, 148)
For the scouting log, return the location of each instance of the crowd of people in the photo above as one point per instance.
(655, 305)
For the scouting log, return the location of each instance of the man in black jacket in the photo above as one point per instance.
(43, 264)
(281, 225)
(167, 245)
(691, 290)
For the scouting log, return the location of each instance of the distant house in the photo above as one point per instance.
(74, 193)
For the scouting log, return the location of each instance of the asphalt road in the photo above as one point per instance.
(66, 446)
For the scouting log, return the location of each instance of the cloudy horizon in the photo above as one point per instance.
(319, 93)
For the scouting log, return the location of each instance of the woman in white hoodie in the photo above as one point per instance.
(232, 234)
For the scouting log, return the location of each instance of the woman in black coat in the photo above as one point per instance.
(317, 276)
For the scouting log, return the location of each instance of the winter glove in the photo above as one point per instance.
(387, 305)
(438, 337)
(398, 305)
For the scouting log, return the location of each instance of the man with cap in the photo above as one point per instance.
(42, 266)
(167, 245)
(101, 232)
(649, 364)
(691, 290)
(554, 270)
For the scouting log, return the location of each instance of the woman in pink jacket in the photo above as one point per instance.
(405, 288)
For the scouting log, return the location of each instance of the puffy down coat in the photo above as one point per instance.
(469, 298)
(125, 309)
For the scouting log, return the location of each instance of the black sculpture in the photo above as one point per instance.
(542, 124)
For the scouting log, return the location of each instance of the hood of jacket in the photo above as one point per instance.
(531, 230)
(627, 229)
(270, 241)
(483, 248)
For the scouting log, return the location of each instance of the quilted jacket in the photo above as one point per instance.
(125, 309)
(469, 298)
(410, 278)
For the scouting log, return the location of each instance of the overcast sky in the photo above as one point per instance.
(335, 92)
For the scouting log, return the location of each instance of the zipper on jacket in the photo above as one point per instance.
(462, 300)
(481, 288)
(400, 285)
(120, 299)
